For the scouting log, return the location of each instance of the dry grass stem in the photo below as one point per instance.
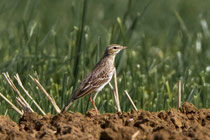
(57, 109)
(131, 101)
(6, 112)
(115, 98)
(116, 92)
(179, 94)
(26, 92)
(7, 77)
(11, 104)
(22, 105)
(135, 135)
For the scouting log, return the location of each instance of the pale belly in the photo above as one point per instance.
(110, 78)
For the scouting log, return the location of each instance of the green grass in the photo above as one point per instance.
(60, 42)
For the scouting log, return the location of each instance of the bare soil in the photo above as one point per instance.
(185, 123)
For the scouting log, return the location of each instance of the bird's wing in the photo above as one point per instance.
(93, 81)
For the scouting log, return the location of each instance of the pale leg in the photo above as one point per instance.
(94, 97)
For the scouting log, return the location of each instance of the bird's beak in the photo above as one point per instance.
(123, 47)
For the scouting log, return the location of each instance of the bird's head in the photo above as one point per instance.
(114, 49)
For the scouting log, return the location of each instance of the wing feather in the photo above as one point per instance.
(95, 79)
(91, 83)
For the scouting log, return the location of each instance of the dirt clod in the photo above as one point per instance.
(185, 123)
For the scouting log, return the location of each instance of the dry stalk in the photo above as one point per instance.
(7, 77)
(115, 98)
(22, 104)
(135, 135)
(5, 114)
(57, 109)
(11, 104)
(179, 94)
(131, 101)
(26, 92)
(116, 92)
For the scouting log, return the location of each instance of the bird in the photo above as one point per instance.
(98, 78)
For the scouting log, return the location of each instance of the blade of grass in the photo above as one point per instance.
(79, 38)
(191, 95)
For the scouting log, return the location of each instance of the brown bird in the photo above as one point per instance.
(101, 75)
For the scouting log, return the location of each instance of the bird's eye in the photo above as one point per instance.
(115, 47)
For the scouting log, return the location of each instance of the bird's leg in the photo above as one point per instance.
(94, 97)
(93, 103)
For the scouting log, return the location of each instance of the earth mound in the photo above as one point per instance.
(185, 123)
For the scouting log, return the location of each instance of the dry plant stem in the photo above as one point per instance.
(57, 109)
(116, 92)
(11, 104)
(115, 98)
(131, 101)
(135, 135)
(21, 104)
(179, 94)
(6, 112)
(6, 75)
(26, 92)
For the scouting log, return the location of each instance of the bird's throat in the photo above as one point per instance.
(111, 58)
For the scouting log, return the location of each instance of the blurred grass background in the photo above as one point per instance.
(60, 42)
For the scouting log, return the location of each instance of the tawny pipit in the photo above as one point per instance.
(98, 77)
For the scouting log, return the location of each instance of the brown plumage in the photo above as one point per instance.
(98, 77)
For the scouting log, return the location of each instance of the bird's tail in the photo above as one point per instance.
(67, 105)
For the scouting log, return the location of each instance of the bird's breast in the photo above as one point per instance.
(110, 78)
